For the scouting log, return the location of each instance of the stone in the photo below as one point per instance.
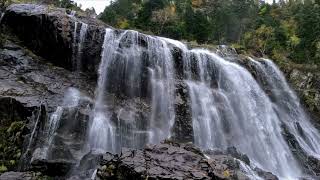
(17, 176)
(170, 160)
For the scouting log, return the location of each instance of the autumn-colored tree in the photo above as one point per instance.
(163, 16)
(260, 39)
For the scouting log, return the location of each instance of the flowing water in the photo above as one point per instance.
(71, 100)
(229, 106)
(248, 171)
(78, 42)
(127, 59)
(1, 17)
(230, 109)
(34, 128)
(101, 133)
(288, 107)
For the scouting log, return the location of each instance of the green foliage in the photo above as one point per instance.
(3, 168)
(260, 39)
(284, 30)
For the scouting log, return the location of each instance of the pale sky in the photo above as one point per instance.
(99, 5)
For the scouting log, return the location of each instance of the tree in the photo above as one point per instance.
(163, 16)
(260, 39)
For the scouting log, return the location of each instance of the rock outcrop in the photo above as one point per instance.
(171, 161)
(30, 91)
(49, 33)
(306, 82)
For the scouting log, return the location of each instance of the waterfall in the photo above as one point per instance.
(73, 13)
(34, 128)
(288, 107)
(101, 133)
(248, 171)
(71, 100)
(228, 104)
(127, 59)
(1, 17)
(78, 43)
(162, 72)
(230, 109)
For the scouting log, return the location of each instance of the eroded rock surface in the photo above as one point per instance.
(30, 91)
(171, 161)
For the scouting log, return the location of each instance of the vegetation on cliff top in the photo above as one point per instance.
(282, 30)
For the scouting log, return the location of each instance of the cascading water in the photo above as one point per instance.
(288, 107)
(230, 109)
(101, 133)
(78, 42)
(34, 128)
(71, 100)
(127, 59)
(1, 17)
(73, 13)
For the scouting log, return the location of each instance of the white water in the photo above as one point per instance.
(1, 17)
(78, 43)
(101, 133)
(73, 13)
(289, 108)
(71, 99)
(230, 109)
(34, 128)
(127, 65)
(248, 171)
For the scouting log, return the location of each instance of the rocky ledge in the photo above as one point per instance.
(170, 160)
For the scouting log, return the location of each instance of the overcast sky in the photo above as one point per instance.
(99, 5)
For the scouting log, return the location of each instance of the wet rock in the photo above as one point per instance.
(231, 151)
(265, 175)
(49, 31)
(14, 117)
(183, 127)
(314, 164)
(169, 160)
(306, 83)
(30, 91)
(21, 176)
(56, 167)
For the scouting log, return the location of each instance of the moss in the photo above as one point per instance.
(226, 173)
(3, 168)
(16, 127)
(11, 144)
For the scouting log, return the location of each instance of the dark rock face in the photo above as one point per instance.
(49, 33)
(183, 130)
(45, 32)
(307, 84)
(13, 121)
(30, 91)
(169, 161)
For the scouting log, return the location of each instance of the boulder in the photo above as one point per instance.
(170, 160)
